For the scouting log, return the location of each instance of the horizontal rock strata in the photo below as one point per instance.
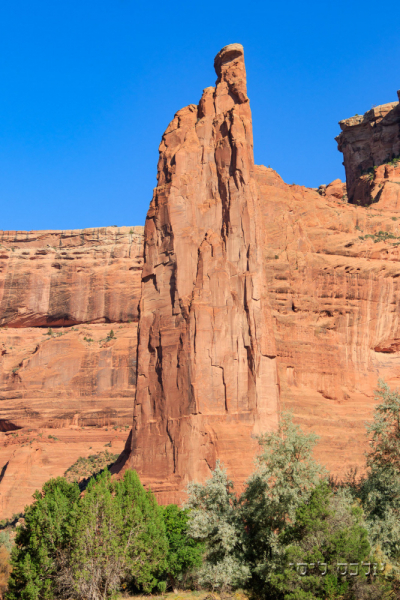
(54, 278)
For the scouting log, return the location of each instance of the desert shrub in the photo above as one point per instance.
(87, 467)
(215, 520)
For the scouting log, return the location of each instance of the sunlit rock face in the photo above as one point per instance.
(242, 297)
(207, 375)
(257, 296)
(370, 141)
(66, 386)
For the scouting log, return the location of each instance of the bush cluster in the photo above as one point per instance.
(286, 535)
(283, 538)
(112, 537)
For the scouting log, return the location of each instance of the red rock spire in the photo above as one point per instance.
(206, 378)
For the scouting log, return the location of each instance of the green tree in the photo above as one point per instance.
(215, 520)
(380, 489)
(119, 535)
(328, 529)
(285, 477)
(185, 553)
(86, 547)
(41, 542)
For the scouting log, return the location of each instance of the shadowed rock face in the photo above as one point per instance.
(207, 376)
(368, 141)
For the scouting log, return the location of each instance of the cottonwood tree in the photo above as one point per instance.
(285, 477)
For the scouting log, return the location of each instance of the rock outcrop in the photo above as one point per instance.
(207, 378)
(316, 298)
(367, 142)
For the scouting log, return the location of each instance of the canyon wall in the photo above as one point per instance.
(66, 383)
(54, 278)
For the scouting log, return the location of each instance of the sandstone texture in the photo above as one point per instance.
(59, 278)
(73, 376)
(368, 141)
(207, 377)
(333, 278)
(258, 295)
(69, 310)
(32, 456)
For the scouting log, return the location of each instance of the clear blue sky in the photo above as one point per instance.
(87, 89)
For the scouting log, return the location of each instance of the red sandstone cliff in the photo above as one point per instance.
(248, 282)
(59, 278)
(207, 377)
(71, 382)
(367, 142)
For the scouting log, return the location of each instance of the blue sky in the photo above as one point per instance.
(87, 89)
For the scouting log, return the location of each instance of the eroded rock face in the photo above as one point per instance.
(207, 376)
(334, 290)
(59, 278)
(75, 376)
(66, 384)
(368, 141)
(249, 285)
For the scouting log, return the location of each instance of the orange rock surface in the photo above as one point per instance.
(327, 284)
(368, 141)
(75, 376)
(61, 294)
(59, 278)
(31, 456)
(207, 377)
(255, 296)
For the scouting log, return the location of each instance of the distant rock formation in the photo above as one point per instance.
(369, 141)
(66, 386)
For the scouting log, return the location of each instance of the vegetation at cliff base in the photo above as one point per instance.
(87, 467)
(294, 533)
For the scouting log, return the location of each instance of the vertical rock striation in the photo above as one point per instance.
(207, 377)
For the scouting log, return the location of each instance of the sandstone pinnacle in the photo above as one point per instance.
(206, 353)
